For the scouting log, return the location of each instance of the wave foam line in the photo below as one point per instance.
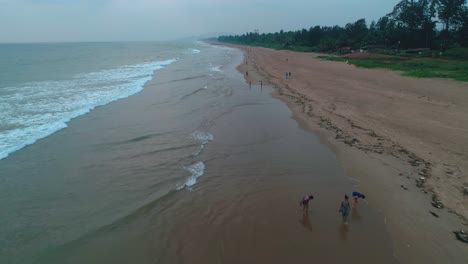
(194, 51)
(197, 170)
(203, 138)
(216, 69)
(38, 109)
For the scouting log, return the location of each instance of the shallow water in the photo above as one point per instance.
(196, 168)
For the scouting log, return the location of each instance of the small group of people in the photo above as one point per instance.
(288, 75)
(345, 206)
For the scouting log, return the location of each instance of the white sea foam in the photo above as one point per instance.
(202, 43)
(194, 51)
(203, 138)
(35, 110)
(216, 68)
(197, 170)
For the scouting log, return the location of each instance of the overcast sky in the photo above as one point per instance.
(133, 20)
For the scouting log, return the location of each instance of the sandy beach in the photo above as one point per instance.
(234, 132)
(198, 167)
(201, 166)
(388, 131)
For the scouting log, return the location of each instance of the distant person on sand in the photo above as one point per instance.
(286, 75)
(289, 75)
(304, 203)
(356, 196)
(344, 209)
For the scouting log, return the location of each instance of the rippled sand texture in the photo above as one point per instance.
(197, 168)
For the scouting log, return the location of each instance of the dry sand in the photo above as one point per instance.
(387, 131)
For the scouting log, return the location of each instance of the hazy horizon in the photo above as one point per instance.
(24, 21)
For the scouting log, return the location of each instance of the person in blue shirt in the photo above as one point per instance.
(356, 196)
(344, 209)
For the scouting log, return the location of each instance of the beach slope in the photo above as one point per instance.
(404, 139)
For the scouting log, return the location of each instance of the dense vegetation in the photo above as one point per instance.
(431, 24)
(421, 67)
(421, 38)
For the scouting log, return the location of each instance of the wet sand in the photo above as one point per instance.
(107, 188)
(387, 131)
(245, 209)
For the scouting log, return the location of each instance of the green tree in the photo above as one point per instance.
(356, 32)
(328, 44)
(383, 27)
(314, 36)
(415, 18)
(462, 28)
(449, 11)
(411, 24)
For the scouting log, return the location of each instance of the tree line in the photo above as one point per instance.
(433, 24)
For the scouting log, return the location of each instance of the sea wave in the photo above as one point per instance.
(202, 43)
(35, 110)
(197, 170)
(216, 69)
(194, 51)
(203, 138)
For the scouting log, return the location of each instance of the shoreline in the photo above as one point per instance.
(385, 166)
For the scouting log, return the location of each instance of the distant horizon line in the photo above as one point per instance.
(196, 38)
(105, 41)
(86, 41)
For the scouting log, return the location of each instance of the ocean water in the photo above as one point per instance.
(43, 86)
(161, 153)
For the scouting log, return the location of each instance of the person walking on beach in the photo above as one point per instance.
(344, 209)
(356, 196)
(304, 203)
